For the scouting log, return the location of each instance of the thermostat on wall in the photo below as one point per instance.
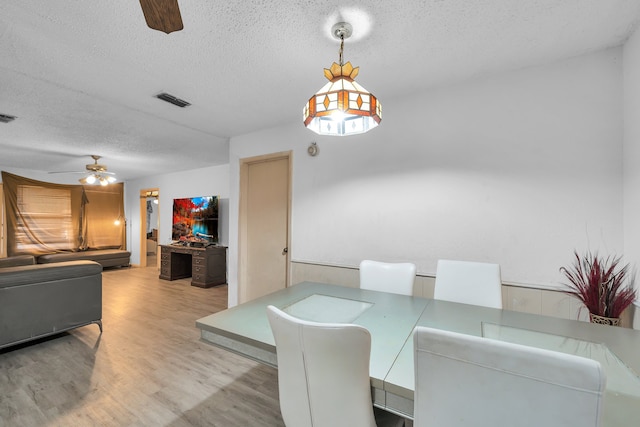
(313, 149)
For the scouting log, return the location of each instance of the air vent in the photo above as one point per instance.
(172, 99)
(5, 118)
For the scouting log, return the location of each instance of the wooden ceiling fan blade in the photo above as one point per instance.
(162, 15)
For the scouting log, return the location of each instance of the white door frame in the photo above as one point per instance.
(143, 225)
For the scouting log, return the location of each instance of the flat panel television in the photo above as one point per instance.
(195, 219)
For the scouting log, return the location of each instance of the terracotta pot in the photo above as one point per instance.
(613, 321)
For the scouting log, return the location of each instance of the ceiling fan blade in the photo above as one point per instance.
(88, 172)
(162, 15)
(93, 169)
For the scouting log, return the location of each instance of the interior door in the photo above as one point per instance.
(264, 225)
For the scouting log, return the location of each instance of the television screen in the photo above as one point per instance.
(195, 219)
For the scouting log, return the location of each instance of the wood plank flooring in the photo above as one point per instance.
(148, 368)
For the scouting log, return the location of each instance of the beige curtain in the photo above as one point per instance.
(43, 217)
(104, 206)
(3, 228)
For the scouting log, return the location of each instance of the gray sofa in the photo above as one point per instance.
(105, 257)
(37, 300)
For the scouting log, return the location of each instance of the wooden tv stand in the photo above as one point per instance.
(206, 266)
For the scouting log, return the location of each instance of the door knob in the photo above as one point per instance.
(285, 251)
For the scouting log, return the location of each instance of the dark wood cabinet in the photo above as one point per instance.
(206, 266)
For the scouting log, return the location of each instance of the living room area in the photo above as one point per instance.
(140, 362)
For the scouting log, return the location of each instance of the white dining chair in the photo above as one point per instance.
(464, 380)
(467, 282)
(393, 277)
(323, 373)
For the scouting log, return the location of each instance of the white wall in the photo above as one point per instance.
(517, 168)
(211, 181)
(632, 150)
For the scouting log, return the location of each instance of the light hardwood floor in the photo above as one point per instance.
(148, 368)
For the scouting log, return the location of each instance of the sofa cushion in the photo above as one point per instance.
(106, 257)
(38, 273)
(14, 261)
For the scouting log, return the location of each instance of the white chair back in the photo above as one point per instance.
(463, 380)
(395, 277)
(467, 282)
(323, 372)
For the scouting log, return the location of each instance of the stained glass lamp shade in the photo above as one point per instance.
(342, 106)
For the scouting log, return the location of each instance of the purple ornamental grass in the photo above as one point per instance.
(599, 283)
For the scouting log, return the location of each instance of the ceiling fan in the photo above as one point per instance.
(95, 173)
(162, 15)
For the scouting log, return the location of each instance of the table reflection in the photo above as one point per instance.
(327, 309)
(620, 378)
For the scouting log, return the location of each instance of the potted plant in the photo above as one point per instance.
(600, 284)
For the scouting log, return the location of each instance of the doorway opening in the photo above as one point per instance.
(149, 227)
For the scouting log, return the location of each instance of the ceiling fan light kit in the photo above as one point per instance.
(95, 173)
(342, 106)
(97, 179)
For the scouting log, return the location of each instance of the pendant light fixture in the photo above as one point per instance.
(342, 106)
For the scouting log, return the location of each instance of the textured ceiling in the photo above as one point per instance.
(81, 75)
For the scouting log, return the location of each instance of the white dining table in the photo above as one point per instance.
(391, 319)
